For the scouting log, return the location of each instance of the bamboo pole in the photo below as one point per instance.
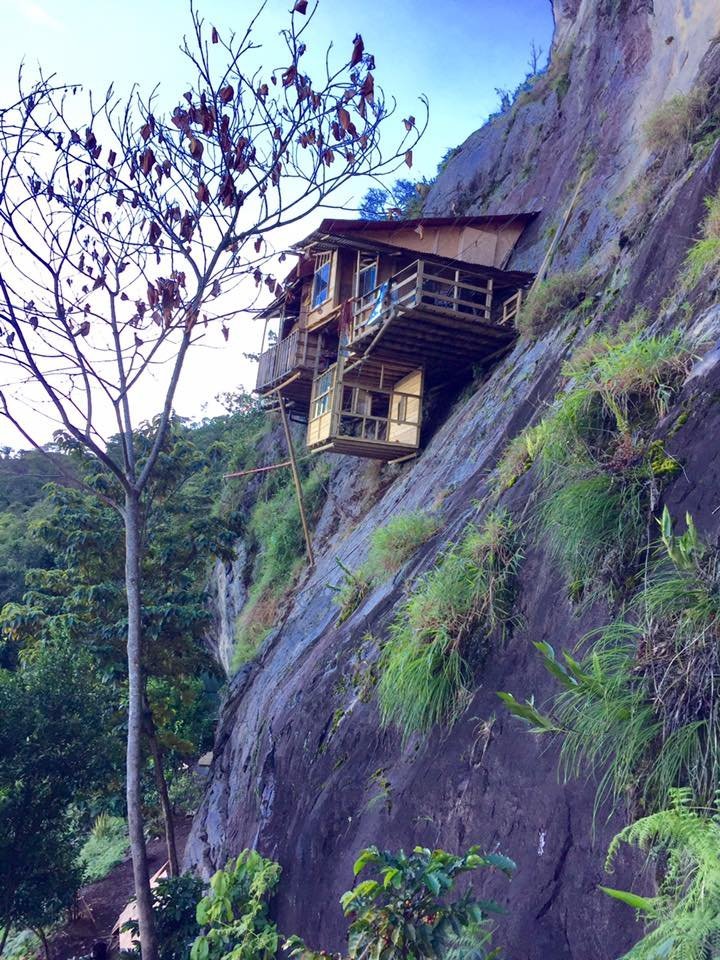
(545, 265)
(296, 478)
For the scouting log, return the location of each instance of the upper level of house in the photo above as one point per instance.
(374, 311)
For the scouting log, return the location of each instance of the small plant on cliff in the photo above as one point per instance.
(675, 121)
(684, 916)
(394, 543)
(704, 255)
(445, 626)
(547, 305)
(641, 708)
(406, 911)
(234, 915)
(391, 546)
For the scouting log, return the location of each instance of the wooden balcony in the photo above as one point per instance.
(431, 315)
(358, 415)
(295, 355)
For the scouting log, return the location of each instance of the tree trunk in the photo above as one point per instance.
(162, 790)
(141, 875)
(40, 932)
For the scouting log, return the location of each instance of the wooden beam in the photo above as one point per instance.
(296, 479)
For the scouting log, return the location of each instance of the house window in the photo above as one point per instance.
(321, 280)
(323, 389)
(366, 275)
(402, 409)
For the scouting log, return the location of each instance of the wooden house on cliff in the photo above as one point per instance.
(377, 311)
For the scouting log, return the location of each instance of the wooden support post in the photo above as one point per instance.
(296, 478)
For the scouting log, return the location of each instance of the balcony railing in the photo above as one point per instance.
(425, 286)
(282, 358)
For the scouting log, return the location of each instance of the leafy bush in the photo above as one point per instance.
(704, 255)
(641, 708)
(391, 546)
(551, 301)
(519, 455)
(447, 622)
(407, 911)
(175, 901)
(684, 916)
(675, 120)
(106, 846)
(234, 914)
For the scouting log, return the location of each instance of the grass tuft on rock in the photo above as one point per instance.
(391, 546)
(596, 455)
(675, 121)
(703, 258)
(548, 304)
(446, 625)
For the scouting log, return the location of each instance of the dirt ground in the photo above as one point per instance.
(101, 903)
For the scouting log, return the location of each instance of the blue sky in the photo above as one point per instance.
(456, 52)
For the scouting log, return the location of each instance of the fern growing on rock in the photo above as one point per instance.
(641, 708)
(683, 918)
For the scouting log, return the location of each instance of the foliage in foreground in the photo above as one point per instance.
(234, 914)
(640, 708)
(54, 753)
(391, 546)
(445, 626)
(406, 910)
(683, 843)
(175, 901)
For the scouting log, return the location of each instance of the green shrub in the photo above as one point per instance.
(548, 304)
(675, 120)
(641, 708)
(519, 455)
(406, 909)
(704, 255)
(174, 901)
(22, 945)
(391, 546)
(446, 624)
(684, 915)
(235, 913)
(353, 590)
(105, 848)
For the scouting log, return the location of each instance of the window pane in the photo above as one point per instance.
(321, 285)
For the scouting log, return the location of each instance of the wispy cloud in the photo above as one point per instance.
(38, 15)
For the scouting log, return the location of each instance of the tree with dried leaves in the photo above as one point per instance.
(128, 235)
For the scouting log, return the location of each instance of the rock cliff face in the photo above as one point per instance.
(302, 768)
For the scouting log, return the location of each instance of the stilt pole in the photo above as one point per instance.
(296, 478)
